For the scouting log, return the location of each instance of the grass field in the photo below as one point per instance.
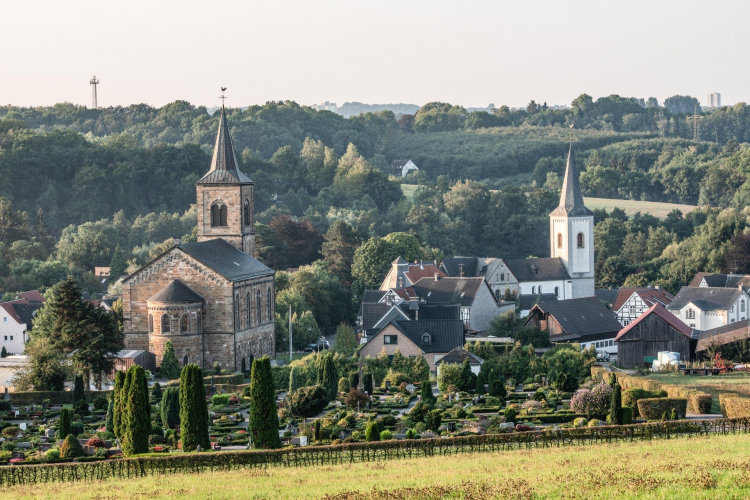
(725, 382)
(654, 208)
(705, 467)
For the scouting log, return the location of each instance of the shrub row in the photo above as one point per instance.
(232, 379)
(736, 406)
(54, 397)
(655, 408)
(553, 419)
(361, 452)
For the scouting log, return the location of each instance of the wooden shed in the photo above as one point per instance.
(129, 357)
(654, 331)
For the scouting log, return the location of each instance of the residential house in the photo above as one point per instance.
(401, 168)
(716, 280)
(654, 331)
(729, 340)
(584, 320)
(16, 318)
(630, 303)
(457, 357)
(432, 339)
(704, 308)
(404, 274)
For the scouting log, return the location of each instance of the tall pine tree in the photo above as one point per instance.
(193, 409)
(170, 408)
(136, 420)
(63, 424)
(263, 421)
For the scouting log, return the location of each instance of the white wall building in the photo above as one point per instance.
(704, 308)
(402, 167)
(632, 302)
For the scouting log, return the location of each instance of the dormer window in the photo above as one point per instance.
(426, 338)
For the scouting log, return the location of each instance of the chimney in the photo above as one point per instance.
(421, 265)
(461, 270)
(434, 262)
(400, 282)
(437, 276)
(657, 287)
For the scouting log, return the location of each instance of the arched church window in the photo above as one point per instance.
(185, 361)
(540, 289)
(247, 213)
(557, 291)
(580, 240)
(184, 323)
(269, 304)
(166, 326)
(215, 215)
(150, 324)
(223, 215)
(237, 311)
(248, 310)
(257, 307)
(742, 306)
(559, 240)
(533, 290)
(200, 323)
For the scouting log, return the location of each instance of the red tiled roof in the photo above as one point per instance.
(418, 271)
(31, 296)
(11, 310)
(404, 293)
(662, 312)
(649, 295)
(623, 295)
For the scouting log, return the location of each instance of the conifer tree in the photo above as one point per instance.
(136, 420)
(263, 421)
(117, 407)
(328, 376)
(372, 432)
(250, 360)
(193, 409)
(615, 412)
(170, 367)
(426, 393)
(3, 353)
(169, 408)
(110, 422)
(156, 391)
(466, 376)
(480, 385)
(243, 368)
(63, 424)
(293, 384)
(367, 383)
(420, 369)
(78, 393)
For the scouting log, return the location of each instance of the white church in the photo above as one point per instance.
(569, 271)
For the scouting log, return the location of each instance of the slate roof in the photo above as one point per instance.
(458, 355)
(373, 295)
(395, 313)
(582, 316)
(224, 168)
(571, 199)
(176, 291)
(722, 335)
(226, 260)
(706, 298)
(432, 311)
(449, 290)
(658, 310)
(716, 280)
(543, 269)
(399, 163)
(371, 313)
(527, 301)
(446, 334)
(608, 295)
(452, 266)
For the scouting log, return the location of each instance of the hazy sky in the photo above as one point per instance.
(464, 52)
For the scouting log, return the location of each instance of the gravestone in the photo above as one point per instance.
(23, 445)
(49, 432)
(299, 441)
(22, 426)
(43, 447)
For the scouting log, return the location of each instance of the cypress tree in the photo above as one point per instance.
(328, 378)
(117, 407)
(263, 421)
(63, 424)
(170, 408)
(372, 432)
(136, 420)
(367, 383)
(170, 367)
(3, 353)
(615, 414)
(293, 384)
(110, 422)
(156, 391)
(465, 384)
(78, 393)
(480, 384)
(193, 409)
(426, 392)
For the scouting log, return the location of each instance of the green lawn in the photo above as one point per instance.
(654, 208)
(725, 382)
(705, 467)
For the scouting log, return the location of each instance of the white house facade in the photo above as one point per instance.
(705, 308)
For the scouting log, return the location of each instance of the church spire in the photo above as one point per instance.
(571, 199)
(224, 168)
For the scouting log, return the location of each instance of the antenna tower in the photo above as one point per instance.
(696, 127)
(94, 82)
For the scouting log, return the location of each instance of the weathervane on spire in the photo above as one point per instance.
(572, 125)
(223, 89)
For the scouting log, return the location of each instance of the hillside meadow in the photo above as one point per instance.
(705, 467)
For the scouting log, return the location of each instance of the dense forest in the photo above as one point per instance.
(87, 187)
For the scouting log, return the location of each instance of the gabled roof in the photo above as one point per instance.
(660, 311)
(431, 311)
(706, 298)
(32, 296)
(650, 296)
(404, 293)
(608, 295)
(418, 271)
(224, 168)
(571, 199)
(527, 301)
(723, 335)
(399, 163)
(21, 310)
(582, 316)
(544, 269)
(450, 290)
(458, 355)
(373, 295)
(226, 260)
(176, 291)
(445, 334)
(453, 266)
(371, 313)
(395, 313)
(717, 280)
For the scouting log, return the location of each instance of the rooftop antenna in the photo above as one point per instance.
(94, 82)
(222, 97)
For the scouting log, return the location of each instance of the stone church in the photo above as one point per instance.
(212, 298)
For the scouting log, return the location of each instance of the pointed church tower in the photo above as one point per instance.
(225, 197)
(572, 233)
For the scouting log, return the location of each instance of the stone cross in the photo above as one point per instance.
(360, 384)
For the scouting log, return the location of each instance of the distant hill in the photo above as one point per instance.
(356, 108)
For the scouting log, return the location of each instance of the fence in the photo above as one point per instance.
(362, 452)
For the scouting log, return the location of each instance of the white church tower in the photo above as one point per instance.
(572, 233)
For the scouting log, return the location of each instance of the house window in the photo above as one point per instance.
(690, 314)
(5, 319)
(580, 240)
(540, 289)
(390, 339)
(6, 338)
(497, 294)
(184, 323)
(257, 306)
(557, 291)
(269, 304)
(199, 323)
(632, 309)
(465, 315)
(150, 324)
(626, 323)
(559, 240)
(502, 276)
(223, 215)
(215, 215)
(742, 306)
(165, 323)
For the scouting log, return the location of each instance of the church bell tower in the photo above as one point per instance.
(572, 233)
(225, 197)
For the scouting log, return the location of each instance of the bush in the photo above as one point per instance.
(169, 408)
(735, 406)
(630, 399)
(71, 447)
(344, 385)
(81, 407)
(700, 403)
(155, 439)
(371, 431)
(220, 400)
(654, 408)
(52, 454)
(594, 402)
(76, 428)
(11, 431)
(433, 419)
(95, 442)
(449, 374)
(100, 403)
(626, 415)
(156, 391)
(396, 378)
(385, 435)
(170, 367)
(356, 399)
(510, 414)
(307, 402)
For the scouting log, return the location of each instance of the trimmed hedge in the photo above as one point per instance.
(553, 419)
(630, 399)
(737, 407)
(55, 397)
(233, 379)
(654, 408)
(700, 403)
